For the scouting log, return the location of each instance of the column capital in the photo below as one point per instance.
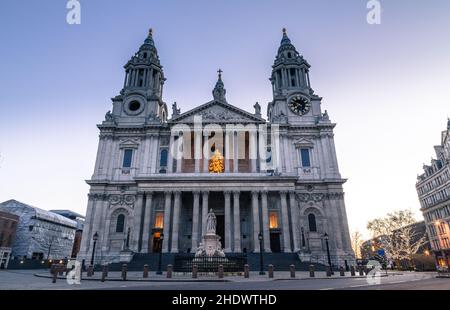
(255, 192)
(205, 193)
(177, 192)
(264, 192)
(196, 192)
(227, 192)
(149, 194)
(283, 192)
(236, 192)
(168, 192)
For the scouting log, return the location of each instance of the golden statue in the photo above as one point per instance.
(216, 163)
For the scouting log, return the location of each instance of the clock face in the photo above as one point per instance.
(299, 105)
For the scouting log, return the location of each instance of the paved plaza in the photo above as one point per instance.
(39, 280)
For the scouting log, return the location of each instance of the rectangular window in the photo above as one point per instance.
(305, 158)
(159, 220)
(127, 157)
(273, 219)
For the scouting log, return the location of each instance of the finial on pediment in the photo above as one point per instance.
(257, 109)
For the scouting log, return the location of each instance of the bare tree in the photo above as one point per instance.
(357, 242)
(395, 233)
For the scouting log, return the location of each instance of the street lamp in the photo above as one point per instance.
(261, 263)
(95, 238)
(161, 239)
(325, 236)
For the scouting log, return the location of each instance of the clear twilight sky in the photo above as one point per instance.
(386, 86)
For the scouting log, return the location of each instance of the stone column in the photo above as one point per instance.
(256, 229)
(253, 151)
(294, 220)
(227, 195)
(204, 211)
(87, 231)
(176, 221)
(228, 149)
(179, 152)
(136, 228)
(170, 155)
(166, 228)
(147, 217)
(195, 220)
(237, 222)
(285, 220)
(265, 221)
(100, 156)
(197, 149)
(235, 152)
(205, 151)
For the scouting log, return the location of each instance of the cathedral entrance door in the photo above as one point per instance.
(156, 247)
(275, 245)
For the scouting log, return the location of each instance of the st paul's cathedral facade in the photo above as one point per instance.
(273, 184)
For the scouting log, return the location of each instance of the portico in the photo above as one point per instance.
(241, 208)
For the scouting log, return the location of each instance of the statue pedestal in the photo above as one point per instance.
(210, 247)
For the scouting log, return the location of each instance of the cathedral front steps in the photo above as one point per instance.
(280, 261)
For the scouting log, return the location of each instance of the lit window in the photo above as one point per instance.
(159, 220)
(127, 157)
(273, 220)
(305, 158)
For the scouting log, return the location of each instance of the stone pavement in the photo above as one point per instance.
(186, 277)
(27, 279)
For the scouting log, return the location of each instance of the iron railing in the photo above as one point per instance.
(231, 263)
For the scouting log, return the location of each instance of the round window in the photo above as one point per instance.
(134, 105)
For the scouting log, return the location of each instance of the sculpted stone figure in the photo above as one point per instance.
(211, 222)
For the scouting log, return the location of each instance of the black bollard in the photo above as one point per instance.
(311, 271)
(124, 272)
(220, 273)
(169, 271)
(292, 270)
(194, 271)
(246, 271)
(145, 274)
(270, 269)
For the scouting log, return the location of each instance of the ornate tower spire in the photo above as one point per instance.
(144, 71)
(290, 71)
(219, 90)
(140, 100)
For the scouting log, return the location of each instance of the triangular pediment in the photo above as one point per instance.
(129, 143)
(304, 142)
(217, 112)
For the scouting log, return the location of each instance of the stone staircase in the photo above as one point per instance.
(280, 261)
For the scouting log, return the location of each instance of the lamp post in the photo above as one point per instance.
(261, 263)
(95, 238)
(325, 236)
(161, 239)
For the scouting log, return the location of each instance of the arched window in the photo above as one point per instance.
(312, 222)
(163, 159)
(120, 223)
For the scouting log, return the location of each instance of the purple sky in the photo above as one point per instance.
(387, 86)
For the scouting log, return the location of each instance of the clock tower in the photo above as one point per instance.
(294, 100)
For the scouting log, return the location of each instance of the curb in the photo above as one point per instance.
(134, 280)
(207, 280)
